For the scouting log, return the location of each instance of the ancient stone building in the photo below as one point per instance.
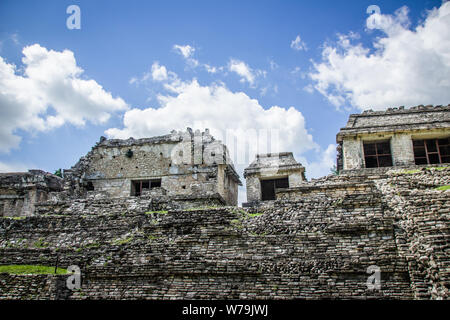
(20, 191)
(396, 137)
(270, 172)
(190, 164)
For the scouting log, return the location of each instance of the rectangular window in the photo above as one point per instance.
(138, 186)
(431, 151)
(377, 154)
(268, 187)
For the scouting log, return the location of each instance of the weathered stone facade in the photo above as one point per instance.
(20, 191)
(316, 239)
(399, 128)
(319, 245)
(269, 167)
(179, 164)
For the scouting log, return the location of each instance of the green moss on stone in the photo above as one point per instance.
(31, 269)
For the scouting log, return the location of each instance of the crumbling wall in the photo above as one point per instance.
(316, 246)
(399, 125)
(187, 163)
(20, 191)
(422, 216)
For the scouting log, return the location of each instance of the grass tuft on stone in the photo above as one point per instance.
(447, 187)
(160, 212)
(257, 214)
(30, 269)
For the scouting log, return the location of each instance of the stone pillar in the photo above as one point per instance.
(253, 188)
(353, 155)
(402, 150)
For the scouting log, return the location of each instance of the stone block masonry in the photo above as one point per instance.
(315, 246)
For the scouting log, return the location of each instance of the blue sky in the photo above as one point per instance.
(130, 60)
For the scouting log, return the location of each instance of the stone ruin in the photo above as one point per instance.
(270, 172)
(181, 169)
(20, 191)
(318, 239)
(394, 138)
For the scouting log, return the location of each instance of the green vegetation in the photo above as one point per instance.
(237, 223)
(239, 211)
(152, 237)
(15, 218)
(31, 269)
(58, 173)
(41, 243)
(257, 214)
(409, 171)
(447, 187)
(419, 170)
(258, 234)
(123, 241)
(92, 245)
(202, 208)
(160, 212)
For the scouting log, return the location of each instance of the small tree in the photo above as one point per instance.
(58, 173)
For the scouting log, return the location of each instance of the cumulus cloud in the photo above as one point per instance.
(298, 45)
(232, 117)
(186, 51)
(406, 67)
(242, 69)
(159, 73)
(246, 73)
(48, 94)
(322, 166)
(219, 109)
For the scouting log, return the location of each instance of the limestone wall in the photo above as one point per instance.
(20, 191)
(314, 246)
(186, 163)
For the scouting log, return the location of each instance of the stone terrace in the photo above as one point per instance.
(317, 245)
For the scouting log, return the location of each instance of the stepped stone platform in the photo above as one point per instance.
(314, 242)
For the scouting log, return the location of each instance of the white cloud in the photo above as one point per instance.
(186, 51)
(159, 73)
(309, 88)
(212, 69)
(408, 66)
(233, 117)
(217, 108)
(51, 82)
(298, 44)
(246, 73)
(322, 166)
(9, 167)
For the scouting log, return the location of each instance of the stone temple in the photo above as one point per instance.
(270, 172)
(394, 138)
(180, 164)
(156, 218)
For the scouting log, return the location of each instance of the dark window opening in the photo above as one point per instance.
(268, 187)
(138, 186)
(377, 154)
(431, 151)
(90, 186)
